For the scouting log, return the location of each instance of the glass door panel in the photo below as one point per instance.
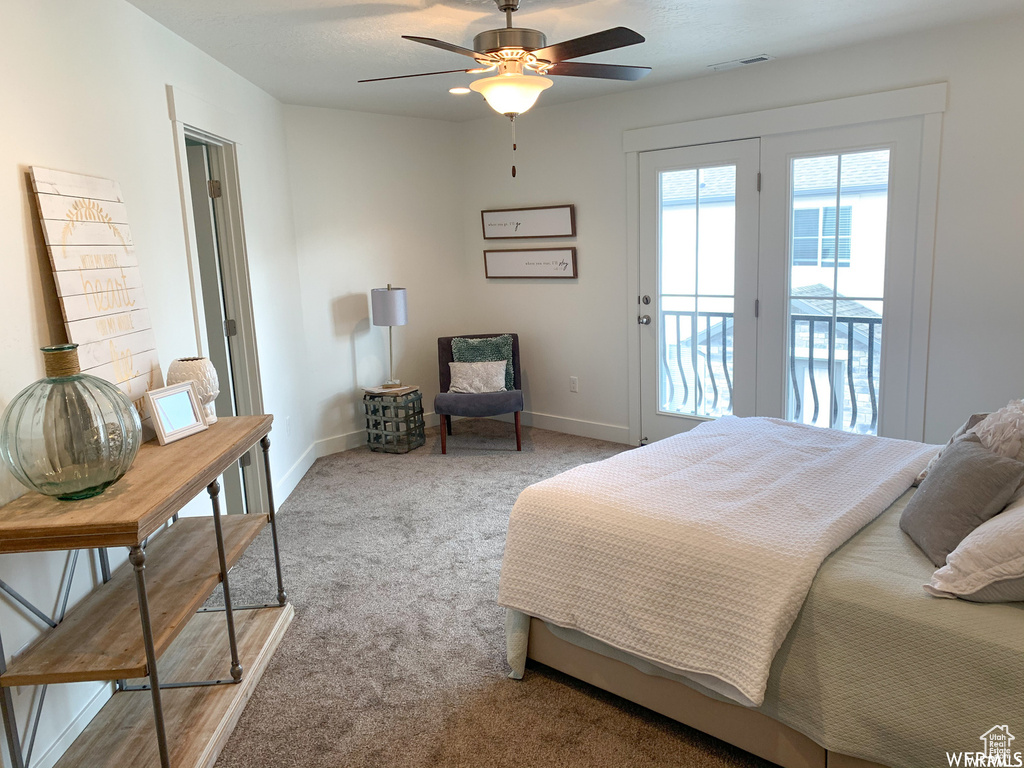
(838, 212)
(697, 259)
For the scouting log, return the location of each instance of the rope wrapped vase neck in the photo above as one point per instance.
(61, 361)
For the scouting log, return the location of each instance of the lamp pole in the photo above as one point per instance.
(391, 352)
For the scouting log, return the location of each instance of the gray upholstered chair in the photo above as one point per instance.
(448, 404)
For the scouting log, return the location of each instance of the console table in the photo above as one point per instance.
(121, 629)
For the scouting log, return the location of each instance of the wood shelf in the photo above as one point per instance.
(101, 639)
(199, 720)
(161, 481)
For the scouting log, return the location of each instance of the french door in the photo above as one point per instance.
(698, 284)
(794, 301)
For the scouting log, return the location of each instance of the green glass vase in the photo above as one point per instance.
(70, 435)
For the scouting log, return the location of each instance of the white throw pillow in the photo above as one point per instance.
(1002, 432)
(476, 378)
(988, 565)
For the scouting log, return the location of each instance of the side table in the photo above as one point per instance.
(394, 419)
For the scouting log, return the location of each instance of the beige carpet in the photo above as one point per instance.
(396, 656)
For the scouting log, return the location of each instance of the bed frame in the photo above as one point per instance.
(745, 728)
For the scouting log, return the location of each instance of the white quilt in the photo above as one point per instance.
(696, 552)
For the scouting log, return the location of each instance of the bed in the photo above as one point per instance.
(866, 670)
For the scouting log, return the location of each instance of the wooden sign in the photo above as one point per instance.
(522, 223)
(531, 262)
(85, 224)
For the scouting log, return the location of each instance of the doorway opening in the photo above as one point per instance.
(222, 300)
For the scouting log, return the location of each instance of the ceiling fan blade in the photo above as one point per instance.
(447, 46)
(605, 71)
(419, 74)
(609, 39)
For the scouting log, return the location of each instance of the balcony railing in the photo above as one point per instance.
(697, 369)
(693, 368)
(856, 348)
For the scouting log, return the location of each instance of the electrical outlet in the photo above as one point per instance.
(574, 384)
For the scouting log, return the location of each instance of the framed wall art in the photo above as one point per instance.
(531, 262)
(523, 223)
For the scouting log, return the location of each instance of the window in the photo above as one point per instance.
(830, 236)
(815, 236)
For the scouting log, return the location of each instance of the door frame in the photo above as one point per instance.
(197, 119)
(927, 102)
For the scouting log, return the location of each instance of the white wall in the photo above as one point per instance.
(572, 153)
(84, 91)
(376, 201)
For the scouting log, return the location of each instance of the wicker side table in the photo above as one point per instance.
(394, 422)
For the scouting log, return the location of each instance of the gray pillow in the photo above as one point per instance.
(968, 485)
(971, 423)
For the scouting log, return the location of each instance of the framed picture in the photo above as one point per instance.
(176, 411)
(531, 262)
(522, 223)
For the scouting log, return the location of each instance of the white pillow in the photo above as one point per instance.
(1002, 432)
(476, 378)
(988, 565)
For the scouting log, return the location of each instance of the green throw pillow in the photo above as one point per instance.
(485, 350)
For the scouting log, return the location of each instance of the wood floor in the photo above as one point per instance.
(199, 720)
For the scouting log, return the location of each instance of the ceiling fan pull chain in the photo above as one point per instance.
(513, 119)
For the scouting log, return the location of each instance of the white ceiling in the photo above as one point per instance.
(312, 52)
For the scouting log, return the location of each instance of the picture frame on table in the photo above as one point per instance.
(524, 223)
(530, 263)
(176, 411)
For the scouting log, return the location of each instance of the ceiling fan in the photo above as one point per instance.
(515, 51)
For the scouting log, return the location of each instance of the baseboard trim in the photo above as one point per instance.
(286, 484)
(74, 729)
(579, 427)
(339, 443)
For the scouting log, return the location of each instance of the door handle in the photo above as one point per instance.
(644, 319)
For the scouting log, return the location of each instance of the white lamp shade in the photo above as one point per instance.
(512, 93)
(388, 306)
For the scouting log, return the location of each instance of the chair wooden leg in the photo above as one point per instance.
(519, 434)
(444, 434)
(449, 422)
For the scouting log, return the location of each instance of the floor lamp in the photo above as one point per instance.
(389, 309)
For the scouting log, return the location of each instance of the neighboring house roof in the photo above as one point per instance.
(862, 171)
(814, 175)
(844, 307)
(716, 185)
(823, 307)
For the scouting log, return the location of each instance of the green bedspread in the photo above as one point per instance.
(876, 668)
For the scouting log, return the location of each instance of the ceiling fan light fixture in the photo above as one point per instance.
(511, 94)
(459, 90)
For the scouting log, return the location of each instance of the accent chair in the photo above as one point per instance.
(448, 404)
